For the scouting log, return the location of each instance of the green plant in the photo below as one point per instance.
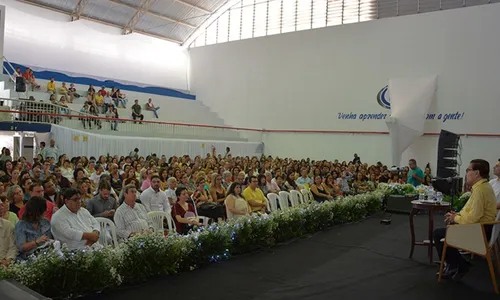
(74, 273)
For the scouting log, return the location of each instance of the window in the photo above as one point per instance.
(211, 34)
(304, 14)
(223, 28)
(319, 13)
(254, 18)
(234, 24)
(247, 19)
(260, 18)
(274, 17)
(288, 19)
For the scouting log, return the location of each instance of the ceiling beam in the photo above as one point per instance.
(77, 12)
(155, 14)
(194, 6)
(145, 6)
(107, 23)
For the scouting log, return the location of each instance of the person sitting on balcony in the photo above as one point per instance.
(72, 91)
(99, 99)
(51, 86)
(150, 106)
(30, 79)
(102, 91)
(121, 98)
(91, 92)
(63, 90)
(108, 102)
(64, 109)
(136, 111)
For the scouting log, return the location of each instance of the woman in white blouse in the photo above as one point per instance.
(236, 205)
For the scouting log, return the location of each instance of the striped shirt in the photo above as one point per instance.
(131, 219)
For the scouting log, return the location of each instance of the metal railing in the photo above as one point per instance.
(44, 113)
(28, 111)
(12, 74)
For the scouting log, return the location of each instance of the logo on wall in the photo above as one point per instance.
(383, 98)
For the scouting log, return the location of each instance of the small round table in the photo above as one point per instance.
(431, 208)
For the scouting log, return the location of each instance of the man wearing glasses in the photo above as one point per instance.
(480, 208)
(73, 225)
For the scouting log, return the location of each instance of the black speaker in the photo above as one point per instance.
(448, 139)
(12, 290)
(20, 85)
(447, 154)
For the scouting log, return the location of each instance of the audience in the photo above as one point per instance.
(51, 86)
(236, 205)
(8, 250)
(150, 106)
(188, 188)
(184, 213)
(102, 205)
(254, 196)
(131, 218)
(32, 232)
(136, 111)
(73, 225)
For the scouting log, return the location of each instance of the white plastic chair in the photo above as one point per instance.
(472, 238)
(295, 198)
(156, 218)
(284, 196)
(273, 201)
(305, 194)
(107, 226)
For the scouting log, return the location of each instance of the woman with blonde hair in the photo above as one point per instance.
(217, 191)
(204, 202)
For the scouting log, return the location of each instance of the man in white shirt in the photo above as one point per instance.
(74, 225)
(131, 218)
(154, 199)
(172, 185)
(495, 183)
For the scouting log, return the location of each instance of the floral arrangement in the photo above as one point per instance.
(74, 273)
(397, 189)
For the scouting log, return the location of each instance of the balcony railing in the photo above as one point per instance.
(45, 113)
(27, 111)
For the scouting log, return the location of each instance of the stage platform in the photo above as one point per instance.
(365, 260)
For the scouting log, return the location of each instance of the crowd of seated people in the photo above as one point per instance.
(99, 102)
(58, 197)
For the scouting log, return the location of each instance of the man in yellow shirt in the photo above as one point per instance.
(254, 196)
(480, 208)
(51, 86)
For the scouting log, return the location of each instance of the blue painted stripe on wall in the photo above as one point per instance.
(19, 126)
(107, 83)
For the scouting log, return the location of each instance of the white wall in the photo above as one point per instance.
(42, 38)
(304, 80)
